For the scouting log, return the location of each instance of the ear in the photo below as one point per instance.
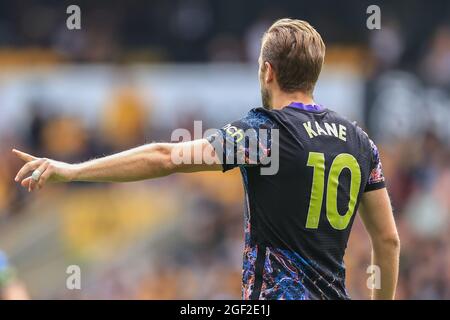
(269, 74)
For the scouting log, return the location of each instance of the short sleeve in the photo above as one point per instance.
(245, 142)
(376, 177)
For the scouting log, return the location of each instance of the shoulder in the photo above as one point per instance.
(370, 146)
(258, 118)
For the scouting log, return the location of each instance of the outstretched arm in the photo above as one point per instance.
(376, 214)
(144, 162)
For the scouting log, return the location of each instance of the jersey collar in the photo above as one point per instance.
(307, 107)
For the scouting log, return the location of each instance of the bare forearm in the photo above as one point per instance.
(144, 162)
(378, 218)
(386, 257)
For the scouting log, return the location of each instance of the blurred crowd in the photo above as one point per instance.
(201, 30)
(199, 252)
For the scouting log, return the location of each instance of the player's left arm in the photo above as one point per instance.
(378, 219)
(144, 162)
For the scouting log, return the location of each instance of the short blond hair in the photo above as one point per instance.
(296, 52)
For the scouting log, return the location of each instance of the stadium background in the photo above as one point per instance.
(137, 70)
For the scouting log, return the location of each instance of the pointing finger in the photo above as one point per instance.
(24, 156)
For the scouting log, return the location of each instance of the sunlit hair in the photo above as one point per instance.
(296, 52)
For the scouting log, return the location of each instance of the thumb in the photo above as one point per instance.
(26, 182)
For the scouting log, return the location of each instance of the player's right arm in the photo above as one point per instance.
(144, 162)
(376, 214)
(156, 159)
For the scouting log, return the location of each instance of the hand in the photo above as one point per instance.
(51, 171)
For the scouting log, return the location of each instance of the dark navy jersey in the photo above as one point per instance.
(298, 217)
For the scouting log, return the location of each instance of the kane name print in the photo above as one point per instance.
(328, 129)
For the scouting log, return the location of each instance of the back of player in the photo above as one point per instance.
(300, 210)
(298, 221)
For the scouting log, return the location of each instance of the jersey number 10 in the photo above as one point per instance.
(342, 161)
